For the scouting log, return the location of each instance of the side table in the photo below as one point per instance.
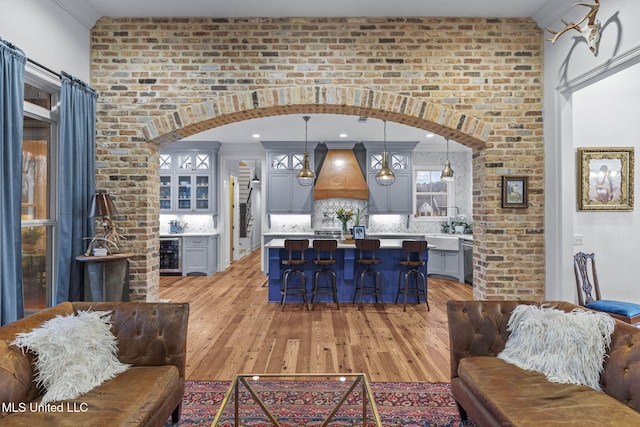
(106, 278)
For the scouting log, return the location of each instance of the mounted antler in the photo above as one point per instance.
(590, 32)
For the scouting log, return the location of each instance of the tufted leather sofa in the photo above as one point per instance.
(152, 337)
(494, 393)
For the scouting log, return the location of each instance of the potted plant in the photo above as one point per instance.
(460, 226)
(30, 237)
(359, 216)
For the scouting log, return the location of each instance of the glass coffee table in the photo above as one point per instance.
(298, 400)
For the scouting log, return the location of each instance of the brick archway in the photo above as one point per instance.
(192, 119)
(159, 86)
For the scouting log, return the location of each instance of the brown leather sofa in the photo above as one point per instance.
(152, 337)
(494, 393)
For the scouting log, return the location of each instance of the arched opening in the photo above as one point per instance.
(193, 119)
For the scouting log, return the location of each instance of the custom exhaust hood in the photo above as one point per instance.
(340, 176)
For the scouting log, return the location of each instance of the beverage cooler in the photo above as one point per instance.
(170, 255)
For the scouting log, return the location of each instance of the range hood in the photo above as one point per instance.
(340, 176)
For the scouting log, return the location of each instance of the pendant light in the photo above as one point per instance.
(447, 172)
(385, 175)
(306, 176)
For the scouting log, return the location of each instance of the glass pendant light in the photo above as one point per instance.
(306, 176)
(447, 172)
(385, 175)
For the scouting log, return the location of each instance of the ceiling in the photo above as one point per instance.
(322, 127)
(281, 8)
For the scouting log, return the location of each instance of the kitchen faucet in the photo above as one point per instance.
(451, 218)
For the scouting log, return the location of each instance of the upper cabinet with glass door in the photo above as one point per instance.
(187, 181)
(286, 161)
(398, 197)
(284, 194)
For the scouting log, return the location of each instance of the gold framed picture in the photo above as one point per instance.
(515, 191)
(605, 179)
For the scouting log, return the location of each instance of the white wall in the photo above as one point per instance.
(589, 101)
(609, 123)
(48, 35)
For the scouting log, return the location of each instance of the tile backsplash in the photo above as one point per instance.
(324, 218)
(191, 223)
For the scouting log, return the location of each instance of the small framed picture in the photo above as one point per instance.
(605, 179)
(515, 191)
(358, 231)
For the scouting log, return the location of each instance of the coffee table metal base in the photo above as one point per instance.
(254, 386)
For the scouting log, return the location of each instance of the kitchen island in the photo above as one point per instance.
(390, 253)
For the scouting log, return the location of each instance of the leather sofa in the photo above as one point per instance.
(493, 392)
(152, 337)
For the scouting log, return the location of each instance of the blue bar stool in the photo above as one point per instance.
(324, 247)
(295, 261)
(367, 260)
(414, 251)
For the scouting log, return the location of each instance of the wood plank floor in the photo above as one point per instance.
(233, 330)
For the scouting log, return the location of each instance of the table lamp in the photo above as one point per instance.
(102, 208)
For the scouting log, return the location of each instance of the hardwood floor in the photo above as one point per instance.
(233, 330)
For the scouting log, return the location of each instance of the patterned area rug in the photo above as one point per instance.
(307, 403)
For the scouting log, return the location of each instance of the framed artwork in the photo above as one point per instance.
(605, 179)
(515, 191)
(358, 232)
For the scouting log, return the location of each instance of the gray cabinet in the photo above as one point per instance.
(398, 197)
(284, 194)
(188, 178)
(446, 263)
(200, 255)
(393, 199)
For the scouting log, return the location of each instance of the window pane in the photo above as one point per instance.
(34, 267)
(37, 203)
(399, 161)
(280, 161)
(431, 194)
(37, 96)
(35, 169)
(165, 162)
(297, 161)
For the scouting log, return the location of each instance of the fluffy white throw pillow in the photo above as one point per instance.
(567, 347)
(75, 353)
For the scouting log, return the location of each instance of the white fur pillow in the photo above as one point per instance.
(567, 347)
(75, 354)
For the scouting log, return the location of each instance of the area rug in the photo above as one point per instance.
(307, 403)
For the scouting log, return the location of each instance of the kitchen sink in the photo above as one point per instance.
(444, 242)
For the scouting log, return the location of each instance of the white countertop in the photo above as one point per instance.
(288, 233)
(195, 234)
(384, 244)
(454, 235)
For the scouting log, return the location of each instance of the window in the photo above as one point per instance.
(432, 196)
(38, 198)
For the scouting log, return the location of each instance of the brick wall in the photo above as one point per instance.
(476, 80)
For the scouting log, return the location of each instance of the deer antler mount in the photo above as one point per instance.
(590, 31)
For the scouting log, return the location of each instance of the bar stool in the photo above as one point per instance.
(324, 247)
(368, 246)
(414, 250)
(295, 261)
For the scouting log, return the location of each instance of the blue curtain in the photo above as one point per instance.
(75, 183)
(12, 66)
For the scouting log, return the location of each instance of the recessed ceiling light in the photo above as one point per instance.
(256, 135)
(343, 135)
(430, 135)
